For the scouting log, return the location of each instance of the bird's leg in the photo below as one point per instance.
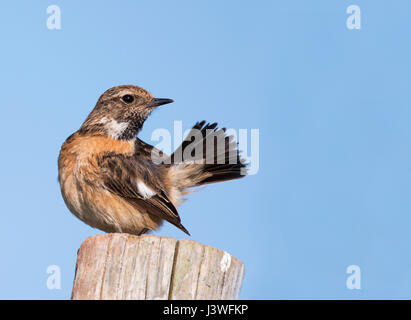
(143, 232)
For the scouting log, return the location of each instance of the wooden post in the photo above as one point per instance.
(121, 266)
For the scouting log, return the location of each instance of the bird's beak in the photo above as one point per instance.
(159, 101)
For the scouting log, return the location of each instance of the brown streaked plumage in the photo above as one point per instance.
(110, 179)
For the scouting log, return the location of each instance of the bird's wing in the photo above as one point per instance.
(149, 152)
(138, 181)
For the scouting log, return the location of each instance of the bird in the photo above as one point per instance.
(113, 181)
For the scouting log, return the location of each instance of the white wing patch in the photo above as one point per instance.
(144, 190)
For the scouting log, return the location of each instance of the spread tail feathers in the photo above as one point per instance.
(207, 155)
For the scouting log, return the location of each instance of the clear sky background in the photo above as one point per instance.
(332, 106)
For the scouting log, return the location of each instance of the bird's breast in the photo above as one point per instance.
(79, 175)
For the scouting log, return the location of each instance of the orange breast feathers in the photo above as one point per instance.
(80, 153)
(80, 181)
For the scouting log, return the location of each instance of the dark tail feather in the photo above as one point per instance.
(220, 156)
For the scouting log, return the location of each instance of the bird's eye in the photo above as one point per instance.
(128, 98)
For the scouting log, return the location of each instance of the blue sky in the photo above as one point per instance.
(332, 106)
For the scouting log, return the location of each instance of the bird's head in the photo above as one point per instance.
(120, 112)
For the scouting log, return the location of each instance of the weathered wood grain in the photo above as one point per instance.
(121, 266)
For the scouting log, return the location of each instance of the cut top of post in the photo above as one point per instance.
(122, 266)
